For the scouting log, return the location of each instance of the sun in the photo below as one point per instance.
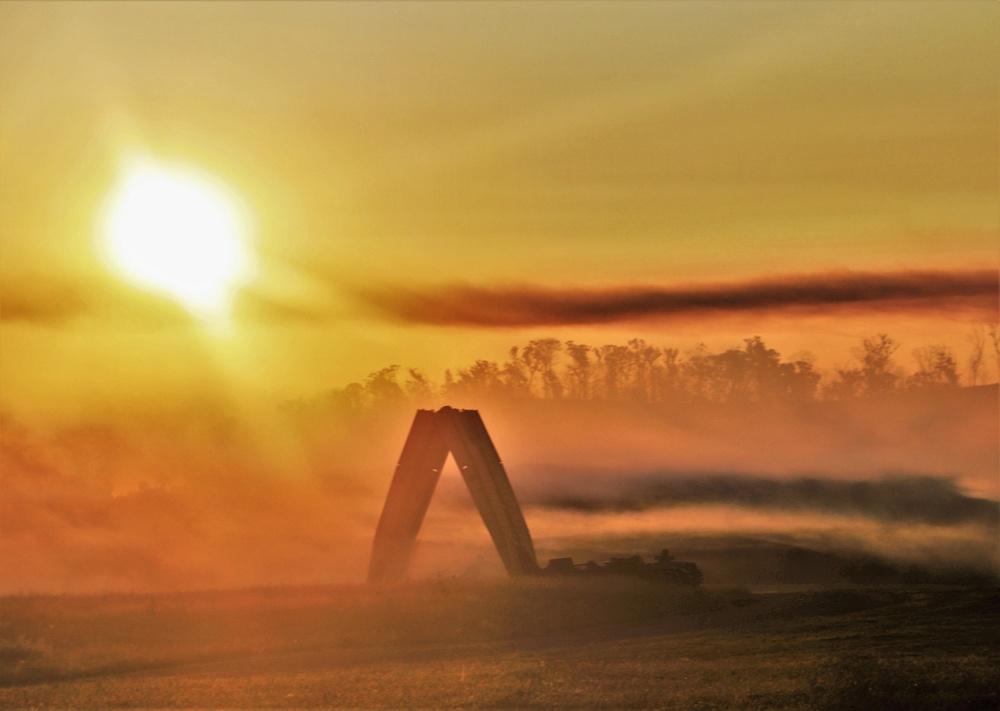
(177, 231)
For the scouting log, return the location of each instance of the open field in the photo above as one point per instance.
(607, 643)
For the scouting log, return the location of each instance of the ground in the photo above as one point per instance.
(506, 644)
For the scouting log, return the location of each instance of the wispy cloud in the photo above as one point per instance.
(505, 306)
(55, 301)
(58, 301)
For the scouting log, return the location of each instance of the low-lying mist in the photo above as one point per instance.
(207, 498)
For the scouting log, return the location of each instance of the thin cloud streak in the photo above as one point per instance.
(909, 291)
(54, 301)
(59, 302)
(64, 301)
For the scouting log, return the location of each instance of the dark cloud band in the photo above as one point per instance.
(915, 291)
(56, 302)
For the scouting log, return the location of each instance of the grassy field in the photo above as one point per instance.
(505, 644)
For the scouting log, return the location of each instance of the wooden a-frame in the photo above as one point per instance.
(432, 436)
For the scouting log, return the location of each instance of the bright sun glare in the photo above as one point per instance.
(174, 230)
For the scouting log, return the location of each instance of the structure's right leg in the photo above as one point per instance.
(490, 488)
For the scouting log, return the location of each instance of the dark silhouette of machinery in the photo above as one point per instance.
(462, 432)
(663, 569)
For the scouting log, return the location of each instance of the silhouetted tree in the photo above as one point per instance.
(381, 388)
(936, 368)
(644, 369)
(579, 373)
(418, 388)
(975, 370)
(668, 385)
(696, 372)
(515, 377)
(767, 377)
(730, 376)
(994, 332)
(848, 383)
(754, 373)
(482, 378)
(539, 358)
(877, 369)
(614, 361)
(771, 380)
(805, 379)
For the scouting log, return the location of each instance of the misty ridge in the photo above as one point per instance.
(641, 373)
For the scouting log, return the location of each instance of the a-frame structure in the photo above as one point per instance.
(432, 436)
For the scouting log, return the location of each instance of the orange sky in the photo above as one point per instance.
(549, 145)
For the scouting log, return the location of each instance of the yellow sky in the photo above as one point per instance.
(553, 144)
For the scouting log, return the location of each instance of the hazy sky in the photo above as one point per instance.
(428, 184)
(391, 148)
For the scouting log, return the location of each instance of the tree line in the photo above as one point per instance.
(638, 372)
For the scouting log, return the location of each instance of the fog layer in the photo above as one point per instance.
(209, 498)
